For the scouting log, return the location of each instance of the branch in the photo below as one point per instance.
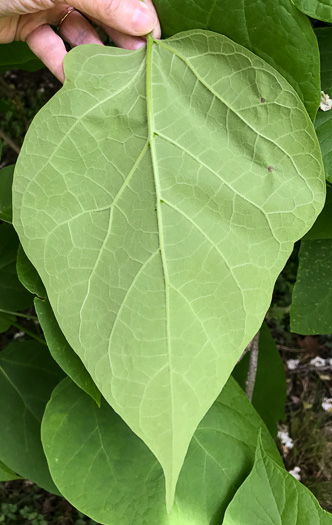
(252, 371)
(10, 142)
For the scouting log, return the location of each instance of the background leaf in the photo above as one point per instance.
(319, 9)
(269, 394)
(323, 122)
(120, 479)
(6, 181)
(311, 310)
(185, 197)
(27, 377)
(252, 23)
(6, 474)
(17, 55)
(28, 275)
(61, 352)
(271, 495)
(13, 296)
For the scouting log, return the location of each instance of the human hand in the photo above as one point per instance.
(125, 21)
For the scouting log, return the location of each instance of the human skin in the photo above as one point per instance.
(125, 21)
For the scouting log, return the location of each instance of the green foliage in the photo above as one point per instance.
(168, 211)
(13, 296)
(323, 123)
(271, 495)
(6, 474)
(28, 376)
(320, 9)
(6, 182)
(122, 482)
(61, 352)
(18, 56)
(275, 31)
(157, 198)
(311, 311)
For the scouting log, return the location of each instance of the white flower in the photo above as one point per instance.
(285, 439)
(327, 404)
(296, 473)
(318, 362)
(292, 364)
(325, 102)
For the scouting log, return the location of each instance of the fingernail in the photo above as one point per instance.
(139, 43)
(143, 20)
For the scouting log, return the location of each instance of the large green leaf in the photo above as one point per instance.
(320, 9)
(18, 56)
(311, 310)
(6, 474)
(27, 377)
(61, 352)
(13, 296)
(275, 31)
(323, 122)
(6, 182)
(269, 393)
(158, 205)
(270, 496)
(106, 471)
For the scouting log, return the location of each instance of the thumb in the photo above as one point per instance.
(133, 17)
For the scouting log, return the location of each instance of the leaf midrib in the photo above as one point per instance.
(152, 134)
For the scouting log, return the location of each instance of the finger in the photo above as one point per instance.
(76, 30)
(156, 31)
(123, 40)
(132, 16)
(50, 48)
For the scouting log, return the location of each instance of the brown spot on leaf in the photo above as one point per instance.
(263, 100)
(270, 169)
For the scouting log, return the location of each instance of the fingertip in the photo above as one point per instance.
(144, 20)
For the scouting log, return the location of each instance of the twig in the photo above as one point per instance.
(10, 142)
(252, 371)
(18, 314)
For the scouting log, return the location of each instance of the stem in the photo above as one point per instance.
(252, 371)
(29, 333)
(17, 314)
(9, 142)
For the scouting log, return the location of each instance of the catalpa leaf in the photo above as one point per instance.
(320, 9)
(106, 471)
(27, 377)
(159, 195)
(271, 495)
(252, 23)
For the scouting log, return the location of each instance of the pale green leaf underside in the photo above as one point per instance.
(106, 471)
(271, 496)
(320, 9)
(144, 198)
